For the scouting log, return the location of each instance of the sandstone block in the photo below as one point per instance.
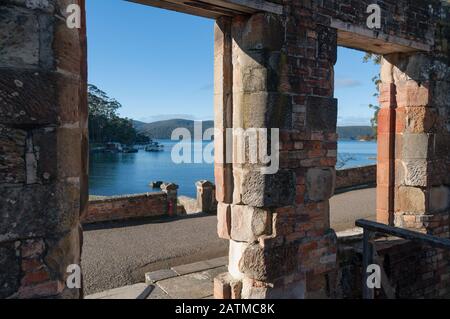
(248, 223)
(411, 200)
(224, 220)
(415, 146)
(412, 172)
(412, 94)
(274, 190)
(320, 183)
(235, 255)
(267, 264)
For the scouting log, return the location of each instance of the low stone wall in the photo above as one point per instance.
(358, 176)
(125, 207)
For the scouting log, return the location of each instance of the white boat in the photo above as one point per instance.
(154, 147)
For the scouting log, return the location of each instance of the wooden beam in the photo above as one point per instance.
(214, 8)
(361, 38)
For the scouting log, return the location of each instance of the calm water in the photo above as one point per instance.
(115, 174)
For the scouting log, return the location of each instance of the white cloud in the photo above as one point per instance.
(346, 83)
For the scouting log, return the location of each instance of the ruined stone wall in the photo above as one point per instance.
(356, 176)
(413, 126)
(410, 269)
(281, 244)
(43, 147)
(126, 207)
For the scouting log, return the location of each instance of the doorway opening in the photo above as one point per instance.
(356, 88)
(152, 77)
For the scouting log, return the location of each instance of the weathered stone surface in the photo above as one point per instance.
(224, 220)
(253, 289)
(412, 173)
(439, 198)
(264, 264)
(262, 110)
(223, 175)
(415, 146)
(222, 286)
(248, 223)
(420, 120)
(12, 155)
(9, 269)
(52, 209)
(234, 258)
(320, 183)
(19, 31)
(321, 114)
(260, 32)
(410, 199)
(441, 94)
(260, 190)
(413, 94)
(206, 198)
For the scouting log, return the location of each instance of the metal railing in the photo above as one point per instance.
(369, 254)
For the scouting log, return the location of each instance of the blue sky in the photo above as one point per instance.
(159, 64)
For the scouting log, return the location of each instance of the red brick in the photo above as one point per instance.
(37, 277)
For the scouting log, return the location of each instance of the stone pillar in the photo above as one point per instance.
(43, 148)
(418, 86)
(281, 245)
(223, 110)
(206, 201)
(171, 190)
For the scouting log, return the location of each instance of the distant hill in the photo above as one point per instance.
(164, 129)
(354, 132)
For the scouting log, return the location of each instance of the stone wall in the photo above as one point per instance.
(273, 69)
(356, 176)
(126, 207)
(411, 269)
(43, 147)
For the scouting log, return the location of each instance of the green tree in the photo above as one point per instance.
(376, 59)
(105, 125)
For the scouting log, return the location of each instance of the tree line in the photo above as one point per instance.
(105, 125)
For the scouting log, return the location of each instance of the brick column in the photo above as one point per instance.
(43, 148)
(281, 245)
(386, 145)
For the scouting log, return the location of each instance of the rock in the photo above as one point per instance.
(157, 184)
